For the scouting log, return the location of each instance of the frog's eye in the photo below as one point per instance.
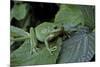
(55, 27)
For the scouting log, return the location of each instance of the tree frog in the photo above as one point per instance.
(44, 33)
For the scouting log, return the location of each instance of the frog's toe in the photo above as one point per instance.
(34, 51)
(51, 50)
(54, 48)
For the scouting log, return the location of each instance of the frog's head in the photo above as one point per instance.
(57, 28)
(48, 30)
(56, 31)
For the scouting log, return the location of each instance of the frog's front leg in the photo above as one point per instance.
(47, 45)
(33, 41)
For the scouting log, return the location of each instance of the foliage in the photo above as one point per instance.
(19, 11)
(76, 44)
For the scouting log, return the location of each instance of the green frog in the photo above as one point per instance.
(45, 32)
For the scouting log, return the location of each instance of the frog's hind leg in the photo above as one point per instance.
(33, 41)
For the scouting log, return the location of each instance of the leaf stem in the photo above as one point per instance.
(21, 38)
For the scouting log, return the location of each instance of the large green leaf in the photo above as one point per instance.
(22, 55)
(17, 32)
(70, 16)
(79, 48)
(19, 11)
(89, 15)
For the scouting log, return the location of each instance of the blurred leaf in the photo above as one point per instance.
(17, 32)
(79, 48)
(22, 55)
(89, 16)
(93, 30)
(26, 23)
(11, 40)
(19, 11)
(70, 16)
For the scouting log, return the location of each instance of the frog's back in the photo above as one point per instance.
(43, 30)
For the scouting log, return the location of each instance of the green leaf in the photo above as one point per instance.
(11, 40)
(19, 11)
(22, 55)
(93, 30)
(70, 16)
(17, 32)
(89, 16)
(79, 48)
